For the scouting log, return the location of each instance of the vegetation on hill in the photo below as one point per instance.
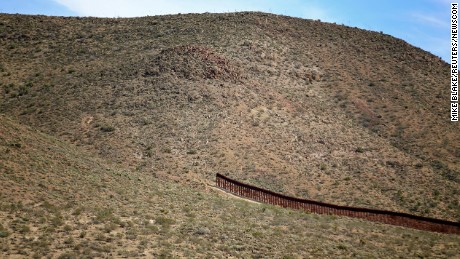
(59, 200)
(129, 117)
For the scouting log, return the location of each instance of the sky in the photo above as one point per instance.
(422, 23)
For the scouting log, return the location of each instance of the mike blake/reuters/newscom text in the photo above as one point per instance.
(454, 63)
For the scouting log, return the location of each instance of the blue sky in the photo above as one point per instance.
(423, 23)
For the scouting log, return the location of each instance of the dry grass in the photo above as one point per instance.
(137, 215)
(132, 107)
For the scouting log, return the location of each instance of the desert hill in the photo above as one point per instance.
(310, 109)
(62, 201)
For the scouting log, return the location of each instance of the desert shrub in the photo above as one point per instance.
(57, 220)
(23, 90)
(107, 128)
(202, 231)
(104, 215)
(67, 228)
(109, 227)
(23, 229)
(359, 150)
(68, 255)
(77, 211)
(3, 232)
(436, 164)
(163, 221)
(167, 150)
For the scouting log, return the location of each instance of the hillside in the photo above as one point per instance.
(309, 109)
(59, 200)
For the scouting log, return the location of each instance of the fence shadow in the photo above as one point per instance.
(383, 216)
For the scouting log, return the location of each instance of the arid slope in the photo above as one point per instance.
(310, 109)
(60, 201)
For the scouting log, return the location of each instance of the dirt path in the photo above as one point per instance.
(232, 195)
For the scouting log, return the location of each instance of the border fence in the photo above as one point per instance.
(383, 216)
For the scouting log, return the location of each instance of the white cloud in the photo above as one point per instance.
(136, 8)
(437, 46)
(431, 20)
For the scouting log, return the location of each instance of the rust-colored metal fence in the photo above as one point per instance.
(387, 217)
